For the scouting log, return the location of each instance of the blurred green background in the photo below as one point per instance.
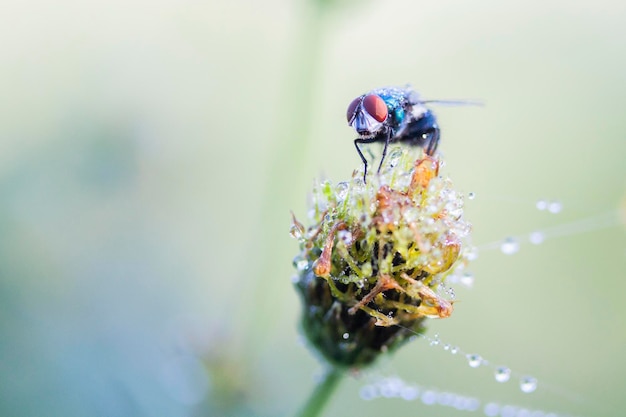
(150, 153)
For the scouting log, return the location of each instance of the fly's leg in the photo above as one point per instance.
(356, 145)
(433, 140)
(387, 139)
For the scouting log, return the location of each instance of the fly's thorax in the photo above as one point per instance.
(418, 111)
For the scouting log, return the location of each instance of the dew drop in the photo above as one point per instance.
(429, 397)
(474, 360)
(435, 340)
(467, 279)
(295, 232)
(471, 404)
(411, 215)
(471, 254)
(491, 409)
(471, 195)
(345, 236)
(446, 347)
(403, 180)
(341, 190)
(454, 350)
(541, 205)
(394, 157)
(555, 207)
(368, 392)
(409, 393)
(528, 384)
(446, 398)
(509, 246)
(503, 374)
(390, 387)
(302, 264)
(508, 411)
(346, 336)
(536, 238)
(366, 269)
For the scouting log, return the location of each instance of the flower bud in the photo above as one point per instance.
(374, 262)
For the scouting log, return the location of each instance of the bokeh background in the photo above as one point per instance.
(150, 152)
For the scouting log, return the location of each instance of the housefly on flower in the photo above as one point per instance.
(394, 114)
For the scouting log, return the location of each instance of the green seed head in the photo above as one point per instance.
(376, 257)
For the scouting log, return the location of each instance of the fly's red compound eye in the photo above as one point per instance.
(352, 108)
(376, 107)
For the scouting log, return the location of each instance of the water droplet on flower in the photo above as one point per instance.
(555, 207)
(509, 246)
(528, 384)
(345, 236)
(471, 254)
(411, 215)
(394, 157)
(503, 374)
(295, 232)
(541, 205)
(471, 196)
(341, 190)
(302, 265)
(474, 360)
(403, 180)
(346, 336)
(366, 269)
(536, 238)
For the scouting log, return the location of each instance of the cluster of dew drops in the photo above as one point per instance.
(511, 244)
(508, 246)
(394, 387)
(502, 374)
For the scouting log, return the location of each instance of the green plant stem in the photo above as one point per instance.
(288, 158)
(319, 397)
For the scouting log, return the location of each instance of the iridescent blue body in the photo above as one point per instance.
(392, 114)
